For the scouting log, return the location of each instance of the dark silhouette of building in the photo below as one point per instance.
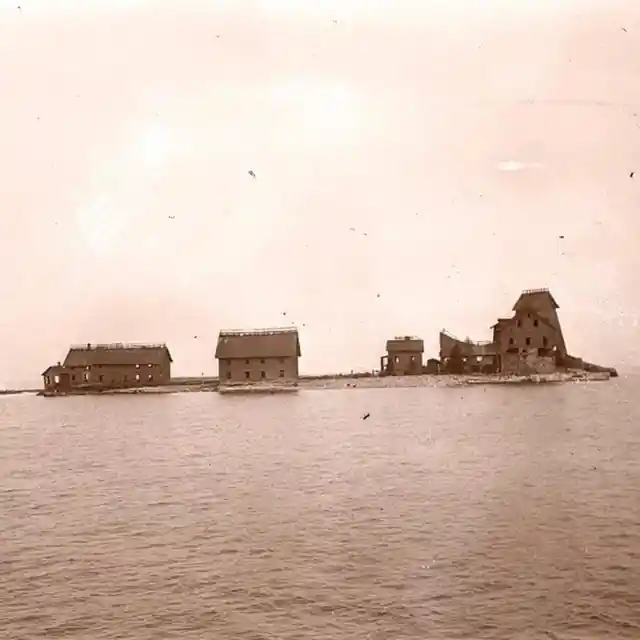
(531, 341)
(404, 357)
(432, 366)
(262, 354)
(465, 356)
(110, 366)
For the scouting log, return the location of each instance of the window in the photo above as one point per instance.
(413, 358)
(263, 374)
(247, 374)
(46, 379)
(73, 377)
(545, 341)
(137, 366)
(262, 361)
(478, 358)
(397, 359)
(535, 322)
(137, 377)
(150, 377)
(86, 377)
(511, 341)
(149, 365)
(124, 378)
(101, 378)
(228, 375)
(281, 373)
(519, 323)
(56, 379)
(528, 341)
(246, 362)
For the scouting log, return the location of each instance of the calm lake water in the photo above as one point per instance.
(449, 513)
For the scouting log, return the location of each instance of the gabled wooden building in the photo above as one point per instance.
(110, 366)
(258, 355)
(404, 356)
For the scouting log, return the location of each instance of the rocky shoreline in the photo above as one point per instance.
(443, 380)
(357, 382)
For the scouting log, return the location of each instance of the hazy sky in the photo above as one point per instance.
(462, 137)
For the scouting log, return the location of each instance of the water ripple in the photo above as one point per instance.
(450, 513)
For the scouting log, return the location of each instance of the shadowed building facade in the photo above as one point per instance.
(466, 356)
(531, 341)
(110, 366)
(404, 357)
(258, 355)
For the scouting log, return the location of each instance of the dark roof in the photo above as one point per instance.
(117, 353)
(501, 321)
(259, 343)
(535, 299)
(54, 369)
(405, 344)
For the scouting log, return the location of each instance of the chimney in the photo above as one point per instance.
(88, 346)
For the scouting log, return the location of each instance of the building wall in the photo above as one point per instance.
(487, 363)
(257, 369)
(433, 366)
(481, 364)
(526, 332)
(543, 305)
(57, 378)
(461, 356)
(527, 363)
(126, 375)
(115, 376)
(405, 363)
(497, 330)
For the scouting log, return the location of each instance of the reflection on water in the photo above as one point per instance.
(449, 513)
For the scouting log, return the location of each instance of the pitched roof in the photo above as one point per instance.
(54, 369)
(405, 344)
(116, 354)
(535, 299)
(258, 343)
